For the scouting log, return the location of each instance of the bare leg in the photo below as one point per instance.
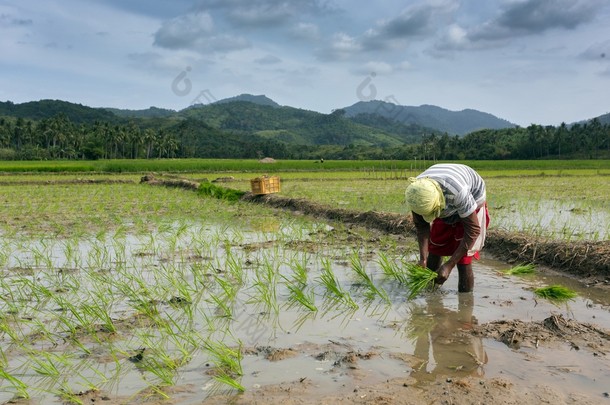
(466, 278)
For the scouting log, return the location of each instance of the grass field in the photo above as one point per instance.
(508, 167)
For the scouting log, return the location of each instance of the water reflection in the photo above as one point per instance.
(443, 341)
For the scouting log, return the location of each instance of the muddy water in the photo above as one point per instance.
(338, 349)
(419, 339)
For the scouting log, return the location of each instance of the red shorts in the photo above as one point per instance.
(445, 238)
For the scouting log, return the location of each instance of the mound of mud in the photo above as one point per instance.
(583, 258)
(65, 181)
(552, 330)
(177, 183)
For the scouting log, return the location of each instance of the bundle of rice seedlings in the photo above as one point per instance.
(556, 293)
(520, 269)
(419, 278)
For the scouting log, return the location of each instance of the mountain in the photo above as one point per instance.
(43, 109)
(151, 112)
(604, 119)
(373, 123)
(440, 119)
(260, 100)
(292, 125)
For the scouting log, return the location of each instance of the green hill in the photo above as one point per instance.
(293, 125)
(43, 109)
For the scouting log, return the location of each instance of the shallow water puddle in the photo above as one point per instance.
(429, 337)
(574, 220)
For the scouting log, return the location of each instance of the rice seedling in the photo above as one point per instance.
(74, 324)
(371, 289)
(227, 363)
(329, 280)
(418, 279)
(223, 306)
(160, 364)
(520, 269)
(391, 269)
(99, 313)
(212, 190)
(47, 363)
(556, 293)
(20, 388)
(265, 284)
(229, 381)
(298, 295)
(67, 394)
(299, 269)
(41, 255)
(234, 268)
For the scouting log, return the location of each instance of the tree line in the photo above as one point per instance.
(60, 138)
(589, 140)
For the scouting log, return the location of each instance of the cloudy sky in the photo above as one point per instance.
(527, 61)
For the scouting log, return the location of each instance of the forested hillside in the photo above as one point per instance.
(39, 110)
(240, 129)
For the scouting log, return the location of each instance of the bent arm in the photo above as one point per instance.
(423, 237)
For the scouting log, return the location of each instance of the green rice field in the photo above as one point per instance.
(112, 290)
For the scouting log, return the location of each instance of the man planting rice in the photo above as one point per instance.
(448, 202)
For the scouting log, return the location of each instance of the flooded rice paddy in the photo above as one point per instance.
(229, 297)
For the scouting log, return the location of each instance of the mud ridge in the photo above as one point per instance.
(67, 181)
(517, 333)
(588, 260)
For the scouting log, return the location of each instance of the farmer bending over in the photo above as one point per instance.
(449, 209)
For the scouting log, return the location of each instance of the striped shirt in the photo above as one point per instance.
(463, 188)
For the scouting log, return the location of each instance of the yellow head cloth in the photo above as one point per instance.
(425, 197)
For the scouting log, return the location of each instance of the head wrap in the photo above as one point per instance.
(424, 196)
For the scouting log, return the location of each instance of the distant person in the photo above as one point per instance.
(448, 203)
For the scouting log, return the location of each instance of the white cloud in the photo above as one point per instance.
(341, 47)
(456, 36)
(374, 67)
(307, 31)
(184, 31)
